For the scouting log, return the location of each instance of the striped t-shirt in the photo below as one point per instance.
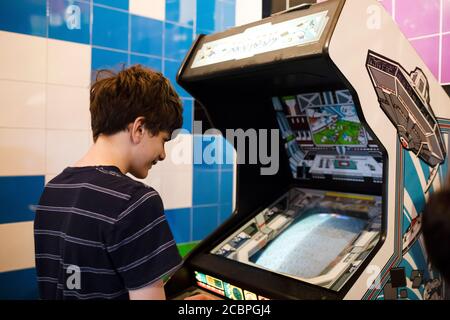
(99, 234)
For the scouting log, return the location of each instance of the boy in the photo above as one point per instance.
(98, 233)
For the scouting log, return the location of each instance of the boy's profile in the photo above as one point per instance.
(98, 233)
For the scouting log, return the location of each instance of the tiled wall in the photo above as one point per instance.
(49, 52)
(426, 23)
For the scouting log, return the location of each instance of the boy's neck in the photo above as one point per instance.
(107, 151)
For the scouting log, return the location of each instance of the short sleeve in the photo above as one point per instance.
(141, 246)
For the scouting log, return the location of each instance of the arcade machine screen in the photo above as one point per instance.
(325, 139)
(316, 236)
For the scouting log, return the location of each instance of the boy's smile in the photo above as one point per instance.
(149, 151)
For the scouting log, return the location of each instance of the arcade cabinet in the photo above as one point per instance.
(363, 141)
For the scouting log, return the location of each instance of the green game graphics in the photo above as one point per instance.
(342, 132)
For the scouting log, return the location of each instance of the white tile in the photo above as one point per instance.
(17, 249)
(154, 180)
(68, 108)
(248, 11)
(22, 152)
(23, 57)
(22, 104)
(64, 148)
(178, 154)
(186, 8)
(69, 63)
(177, 189)
(155, 9)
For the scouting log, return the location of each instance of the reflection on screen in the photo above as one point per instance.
(310, 244)
(314, 236)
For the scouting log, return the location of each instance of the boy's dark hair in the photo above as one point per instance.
(436, 231)
(118, 99)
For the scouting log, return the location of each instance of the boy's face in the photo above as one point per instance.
(149, 151)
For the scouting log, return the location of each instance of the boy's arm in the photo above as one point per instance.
(151, 292)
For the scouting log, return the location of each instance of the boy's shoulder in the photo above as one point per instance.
(106, 179)
(118, 180)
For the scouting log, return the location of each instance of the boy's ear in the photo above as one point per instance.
(137, 130)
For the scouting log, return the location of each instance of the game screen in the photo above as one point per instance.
(325, 139)
(318, 237)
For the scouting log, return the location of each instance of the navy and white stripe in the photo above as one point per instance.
(99, 216)
(68, 238)
(47, 279)
(146, 229)
(88, 186)
(146, 258)
(154, 280)
(78, 211)
(47, 256)
(110, 227)
(130, 209)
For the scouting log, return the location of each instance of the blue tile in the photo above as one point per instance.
(19, 285)
(110, 28)
(17, 195)
(204, 221)
(225, 211)
(206, 187)
(213, 152)
(146, 35)
(206, 15)
(228, 155)
(106, 59)
(119, 4)
(170, 71)
(180, 11)
(178, 41)
(69, 21)
(24, 16)
(180, 224)
(150, 62)
(188, 106)
(226, 187)
(227, 15)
